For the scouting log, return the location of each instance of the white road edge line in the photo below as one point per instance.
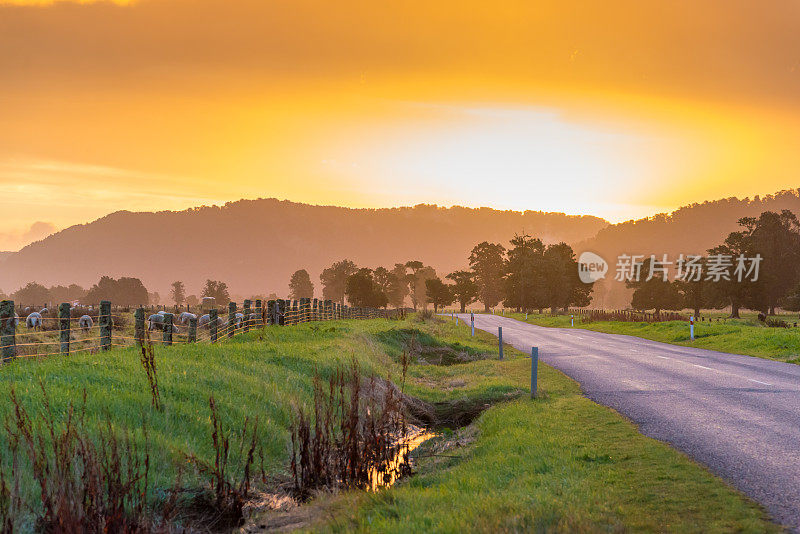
(703, 367)
(759, 381)
(663, 357)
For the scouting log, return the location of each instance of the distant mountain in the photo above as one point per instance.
(255, 245)
(691, 229)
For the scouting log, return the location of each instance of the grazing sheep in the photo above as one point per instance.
(238, 319)
(85, 322)
(205, 321)
(185, 317)
(155, 322)
(34, 321)
(27, 310)
(43, 311)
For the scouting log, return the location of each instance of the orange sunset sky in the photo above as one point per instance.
(614, 108)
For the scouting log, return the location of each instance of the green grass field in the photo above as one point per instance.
(738, 336)
(560, 462)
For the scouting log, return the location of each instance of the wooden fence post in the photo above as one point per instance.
(315, 310)
(138, 330)
(105, 325)
(63, 326)
(258, 313)
(8, 340)
(213, 317)
(231, 318)
(192, 329)
(169, 320)
(247, 311)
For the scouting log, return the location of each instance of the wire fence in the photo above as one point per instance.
(67, 330)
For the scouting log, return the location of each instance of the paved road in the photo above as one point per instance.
(738, 415)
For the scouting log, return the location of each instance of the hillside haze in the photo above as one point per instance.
(255, 245)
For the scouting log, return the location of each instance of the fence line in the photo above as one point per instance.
(112, 328)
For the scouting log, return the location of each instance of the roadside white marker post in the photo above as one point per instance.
(472, 320)
(534, 370)
(572, 320)
(691, 327)
(500, 339)
(526, 316)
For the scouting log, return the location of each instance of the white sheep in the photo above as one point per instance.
(205, 321)
(34, 321)
(85, 322)
(185, 317)
(155, 322)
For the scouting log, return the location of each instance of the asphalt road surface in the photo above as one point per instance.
(738, 415)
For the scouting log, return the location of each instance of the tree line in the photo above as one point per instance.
(526, 275)
(772, 237)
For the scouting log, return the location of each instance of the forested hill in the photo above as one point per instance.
(255, 245)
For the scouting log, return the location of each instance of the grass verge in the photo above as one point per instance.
(736, 336)
(560, 462)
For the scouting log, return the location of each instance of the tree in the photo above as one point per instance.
(334, 279)
(420, 290)
(656, 293)
(776, 238)
(398, 290)
(362, 290)
(464, 288)
(69, 293)
(693, 286)
(123, 292)
(300, 286)
(192, 301)
(389, 284)
(218, 290)
(414, 283)
(32, 293)
(438, 293)
(487, 262)
(524, 286)
(178, 293)
(562, 284)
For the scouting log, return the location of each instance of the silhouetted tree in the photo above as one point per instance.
(562, 285)
(438, 293)
(178, 293)
(398, 288)
(300, 286)
(464, 288)
(657, 293)
(389, 284)
(71, 293)
(362, 290)
(192, 301)
(487, 262)
(524, 281)
(693, 285)
(122, 292)
(776, 238)
(334, 279)
(218, 290)
(32, 293)
(413, 279)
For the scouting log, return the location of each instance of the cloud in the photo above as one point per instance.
(16, 239)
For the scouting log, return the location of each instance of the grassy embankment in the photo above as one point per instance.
(738, 336)
(559, 462)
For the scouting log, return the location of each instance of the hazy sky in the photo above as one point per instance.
(619, 109)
